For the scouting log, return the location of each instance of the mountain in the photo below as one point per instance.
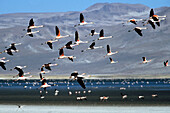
(108, 16)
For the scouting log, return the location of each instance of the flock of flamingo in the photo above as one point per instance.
(152, 20)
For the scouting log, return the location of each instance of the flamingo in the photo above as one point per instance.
(92, 46)
(151, 22)
(69, 45)
(134, 21)
(79, 78)
(48, 66)
(30, 33)
(156, 17)
(9, 51)
(145, 61)
(42, 70)
(112, 61)
(49, 43)
(32, 26)
(166, 63)
(3, 62)
(77, 40)
(138, 30)
(93, 33)
(82, 22)
(61, 53)
(58, 36)
(101, 35)
(21, 73)
(12, 46)
(44, 82)
(109, 53)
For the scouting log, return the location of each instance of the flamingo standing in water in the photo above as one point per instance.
(166, 63)
(101, 35)
(58, 36)
(77, 39)
(109, 53)
(3, 62)
(79, 78)
(92, 46)
(82, 22)
(138, 30)
(62, 56)
(21, 73)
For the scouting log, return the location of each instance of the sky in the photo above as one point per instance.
(37, 6)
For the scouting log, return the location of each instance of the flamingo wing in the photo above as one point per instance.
(50, 45)
(80, 81)
(101, 33)
(31, 23)
(92, 45)
(108, 49)
(57, 31)
(81, 18)
(76, 36)
(139, 31)
(2, 64)
(61, 52)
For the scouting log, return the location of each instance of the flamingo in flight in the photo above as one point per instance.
(79, 78)
(62, 56)
(145, 61)
(101, 35)
(109, 53)
(93, 32)
(138, 30)
(77, 39)
(13, 46)
(92, 46)
(58, 36)
(82, 22)
(112, 61)
(49, 43)
(151, 22)
(30, 33)
(9, 51)
(44, 82)
(3, 62)
(69, 45)
(166, 63)
(156, 17)
(42, 70)
(32, 26)
(48, 66)
(21, 73)
(133, 21)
